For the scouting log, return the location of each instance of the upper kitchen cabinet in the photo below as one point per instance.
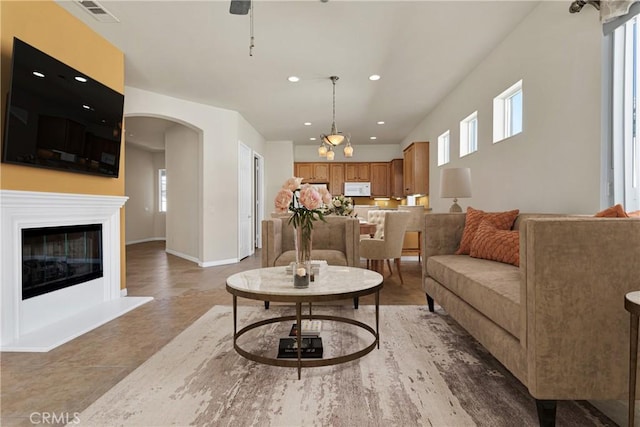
(379, 179)
(396, 185)
(312, 172)
(336, 178)
(415, 172)
(357, 172)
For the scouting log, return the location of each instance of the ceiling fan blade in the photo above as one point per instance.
(240, 7)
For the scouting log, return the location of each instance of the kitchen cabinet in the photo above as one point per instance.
(357, 172)
(336, 178)
(379, 179)
(395, 179)
(312, 172)
(415, 173)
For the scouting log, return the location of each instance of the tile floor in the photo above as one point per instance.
(69, 378)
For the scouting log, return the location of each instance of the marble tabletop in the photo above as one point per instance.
(333, 280)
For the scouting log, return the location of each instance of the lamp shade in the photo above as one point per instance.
(455, 182)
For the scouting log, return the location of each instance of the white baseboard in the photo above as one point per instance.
(221, 262)
(150, 239)
(183, 256)
(202, 263)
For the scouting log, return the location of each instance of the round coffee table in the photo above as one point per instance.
(333, 283)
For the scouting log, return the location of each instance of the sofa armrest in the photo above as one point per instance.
(576, 272)
(271, 241)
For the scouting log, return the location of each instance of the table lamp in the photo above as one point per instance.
(455, 182)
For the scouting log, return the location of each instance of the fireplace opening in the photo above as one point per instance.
(54, 258)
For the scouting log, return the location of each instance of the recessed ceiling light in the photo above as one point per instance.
(312, 139)
(307, 123)
(81, 79)
(374, 77)
(293, 79)
(373, 137)
(380, 122)
(38, 74)
(86, 107)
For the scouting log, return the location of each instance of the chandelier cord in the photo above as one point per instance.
(334, 129)
(251, 44)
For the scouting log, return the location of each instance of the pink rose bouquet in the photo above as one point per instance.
(306, 203)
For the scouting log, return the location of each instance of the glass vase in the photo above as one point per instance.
(302, 268)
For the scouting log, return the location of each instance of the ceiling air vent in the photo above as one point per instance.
(98, 11)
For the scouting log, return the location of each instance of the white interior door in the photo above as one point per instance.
(245, 201)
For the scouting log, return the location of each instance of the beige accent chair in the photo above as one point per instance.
(335, 241)
(416, 223)
(388, 240)
(362, 211)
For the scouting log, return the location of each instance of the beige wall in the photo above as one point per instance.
(278, 164)
(144, 222)
(183, 184)
(361, 153)
(554, 164)
(52, 29)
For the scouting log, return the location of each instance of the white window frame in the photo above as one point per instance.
(469, 134)
(625, 105)
(502, 113)
(444, 148)
(162, 190)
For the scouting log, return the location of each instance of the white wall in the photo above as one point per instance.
(143, 222)
(218, 137)
(278, 164)
(183, 189)
(554, 164)
(361, 153)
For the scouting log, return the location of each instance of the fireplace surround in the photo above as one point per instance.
(44, 321)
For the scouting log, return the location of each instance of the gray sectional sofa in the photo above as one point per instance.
(557, 322)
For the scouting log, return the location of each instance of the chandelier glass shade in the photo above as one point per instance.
(348, 149)
(331, 154)
(322, 150)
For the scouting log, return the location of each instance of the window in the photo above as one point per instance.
(443, 149)
(162, 190)
(469, 134)
(507, 113)
(625, 126)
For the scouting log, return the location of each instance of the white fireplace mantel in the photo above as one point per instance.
(46, 321)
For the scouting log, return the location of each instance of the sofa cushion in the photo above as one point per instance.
(501, 220)
(497, 245)
(491, 287)
(332, 257)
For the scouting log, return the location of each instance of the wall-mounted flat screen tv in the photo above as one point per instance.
(60, 118)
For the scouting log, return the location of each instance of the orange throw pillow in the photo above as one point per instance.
(500, 220)
(616, 211)
(496, 245)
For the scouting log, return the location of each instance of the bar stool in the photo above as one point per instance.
(632, 305)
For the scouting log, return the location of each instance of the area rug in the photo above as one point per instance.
(427, 372)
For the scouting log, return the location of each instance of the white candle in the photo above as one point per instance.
(301, 271)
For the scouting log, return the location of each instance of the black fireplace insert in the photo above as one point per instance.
(54, 258)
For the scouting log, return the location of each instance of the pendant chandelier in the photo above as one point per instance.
(334, 138)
